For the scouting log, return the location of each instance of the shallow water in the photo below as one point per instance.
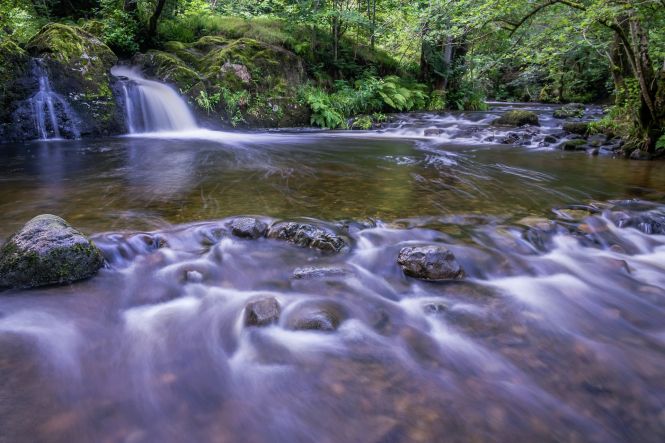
(557, 334)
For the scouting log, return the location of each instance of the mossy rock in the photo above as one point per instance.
(517, 118)
(268, 77)
(79, 65)
(573, 145)
(570, 110)
(14, 68)
(93, 27)
(580, 128)
(171, 69)
(47, 251)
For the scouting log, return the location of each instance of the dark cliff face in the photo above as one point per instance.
(77, 65)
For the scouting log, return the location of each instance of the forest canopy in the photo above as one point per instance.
(412, 54)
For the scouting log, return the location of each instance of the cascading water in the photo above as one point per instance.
(50, 110)
(151, 106)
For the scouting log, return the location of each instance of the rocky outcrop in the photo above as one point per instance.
(15, 84)
(77, 65)
(256, 83)
(517, 118)
(308, 236)
(429, 263)
(47, 251)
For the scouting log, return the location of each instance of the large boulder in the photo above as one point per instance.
(78, 65)
(308, 236)
(517, 118)
(16, 84)
(429, 263)
(47, 251)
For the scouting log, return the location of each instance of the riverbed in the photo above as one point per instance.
(556, 334)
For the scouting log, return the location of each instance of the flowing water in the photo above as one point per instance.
(50, 110)
(152, 106)
(557, 333)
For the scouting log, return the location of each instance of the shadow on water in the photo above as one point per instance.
(555, 335)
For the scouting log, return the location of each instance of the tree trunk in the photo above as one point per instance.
(154, 19)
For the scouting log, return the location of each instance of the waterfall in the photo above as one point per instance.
(152, 106)
(51, 112)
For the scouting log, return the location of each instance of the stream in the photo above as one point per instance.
(557, 334)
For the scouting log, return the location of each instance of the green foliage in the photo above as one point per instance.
(208, 102)
(234, 102)
(19, 20)
(363, 122)
(120, 29)
(660, 144)
(367, 95)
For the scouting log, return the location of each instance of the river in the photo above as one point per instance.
(556, 334)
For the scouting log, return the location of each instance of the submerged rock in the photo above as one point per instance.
(262, 312)
(308, 236)
(315, 317)
(517, 118)
(314, 273)
(248, 227)
(638, 154)
(430, 263)
(46, 251)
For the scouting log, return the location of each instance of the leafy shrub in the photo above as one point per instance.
(367, 95)
(660, 144)
(208, 102)
(119, 28)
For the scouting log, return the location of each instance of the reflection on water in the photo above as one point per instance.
(555, 335)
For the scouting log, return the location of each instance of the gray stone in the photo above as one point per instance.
(248, 227)
(315, 317)
(262, 312)
(308, 236)
(314, 273)
(430, 263)
(47, 251)
(433, 132)
(517, 118)
(638, 154)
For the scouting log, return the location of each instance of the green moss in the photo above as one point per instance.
(517, 118)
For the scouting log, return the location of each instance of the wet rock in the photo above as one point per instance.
(79, 64)
(570, 110)
(248, 227)
(314, 273)
(307, 235)
(46, 251)
(429, 263)
(517, 118)
(433, 132)
(550, 139)
(262, 312)
(579, 128)
(324, 317)
(573, 145)
(597, 140)
(638, 154)
(593, 152)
